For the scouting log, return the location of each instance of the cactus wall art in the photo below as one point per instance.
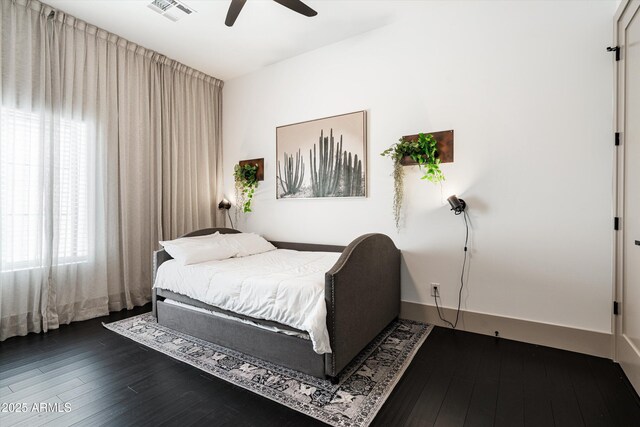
(322, 158)
(290, 177)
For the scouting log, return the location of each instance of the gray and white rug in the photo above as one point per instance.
(364, 385)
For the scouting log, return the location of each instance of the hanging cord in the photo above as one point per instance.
(464, 265)
(230, 220)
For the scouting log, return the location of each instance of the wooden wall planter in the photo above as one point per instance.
(259, 162)
(445, 147)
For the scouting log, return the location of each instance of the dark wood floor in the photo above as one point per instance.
(456, 379)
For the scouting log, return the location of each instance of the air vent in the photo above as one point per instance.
(171, 9)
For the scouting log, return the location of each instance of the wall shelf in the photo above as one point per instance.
(259, 162)
(445, 147)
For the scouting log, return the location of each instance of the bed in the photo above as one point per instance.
(361, 293)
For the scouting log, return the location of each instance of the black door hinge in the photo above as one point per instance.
(616, 309)
(616, 139)
(616, 223)
(615, 49)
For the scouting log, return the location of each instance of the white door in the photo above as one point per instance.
(627, 323)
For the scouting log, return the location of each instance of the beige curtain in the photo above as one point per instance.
(106, 148)
(191, 105)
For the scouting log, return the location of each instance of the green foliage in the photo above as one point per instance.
(423, 151)
(246, 178)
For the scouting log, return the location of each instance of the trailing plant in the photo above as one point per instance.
(424, 151)
(246, 178)
(291, 177)
(398, 192)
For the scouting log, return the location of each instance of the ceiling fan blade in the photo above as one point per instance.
(297, 6)
(234, 10)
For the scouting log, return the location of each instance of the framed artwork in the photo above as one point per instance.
(322, 158)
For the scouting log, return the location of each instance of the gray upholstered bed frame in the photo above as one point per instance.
(362, 292)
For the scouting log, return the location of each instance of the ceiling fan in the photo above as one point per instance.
(295, 5)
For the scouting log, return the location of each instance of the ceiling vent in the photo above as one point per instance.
(171, 9)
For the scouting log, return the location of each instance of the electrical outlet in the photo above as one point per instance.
(435, 289)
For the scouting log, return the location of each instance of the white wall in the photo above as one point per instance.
(527, 87)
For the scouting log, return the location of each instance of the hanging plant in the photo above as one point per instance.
(246, 178)
(424, 152)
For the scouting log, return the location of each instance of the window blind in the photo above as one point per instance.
(27, 162)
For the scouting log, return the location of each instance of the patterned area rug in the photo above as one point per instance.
(364, 385)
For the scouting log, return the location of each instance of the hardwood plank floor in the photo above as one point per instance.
(456, 379)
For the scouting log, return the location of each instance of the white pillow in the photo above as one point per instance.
(194, 250)
(186, 240)
(246, 244)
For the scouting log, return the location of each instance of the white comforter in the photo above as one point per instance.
(282, 285)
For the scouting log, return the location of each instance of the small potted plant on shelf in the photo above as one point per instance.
(246, 179)
(421, 151)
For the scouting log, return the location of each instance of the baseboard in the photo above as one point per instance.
(629, 358)
(562, 337)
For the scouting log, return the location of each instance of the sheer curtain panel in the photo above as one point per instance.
(105, 148)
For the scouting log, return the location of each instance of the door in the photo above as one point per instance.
(627, 323)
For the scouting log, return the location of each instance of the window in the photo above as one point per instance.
(43, 189)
